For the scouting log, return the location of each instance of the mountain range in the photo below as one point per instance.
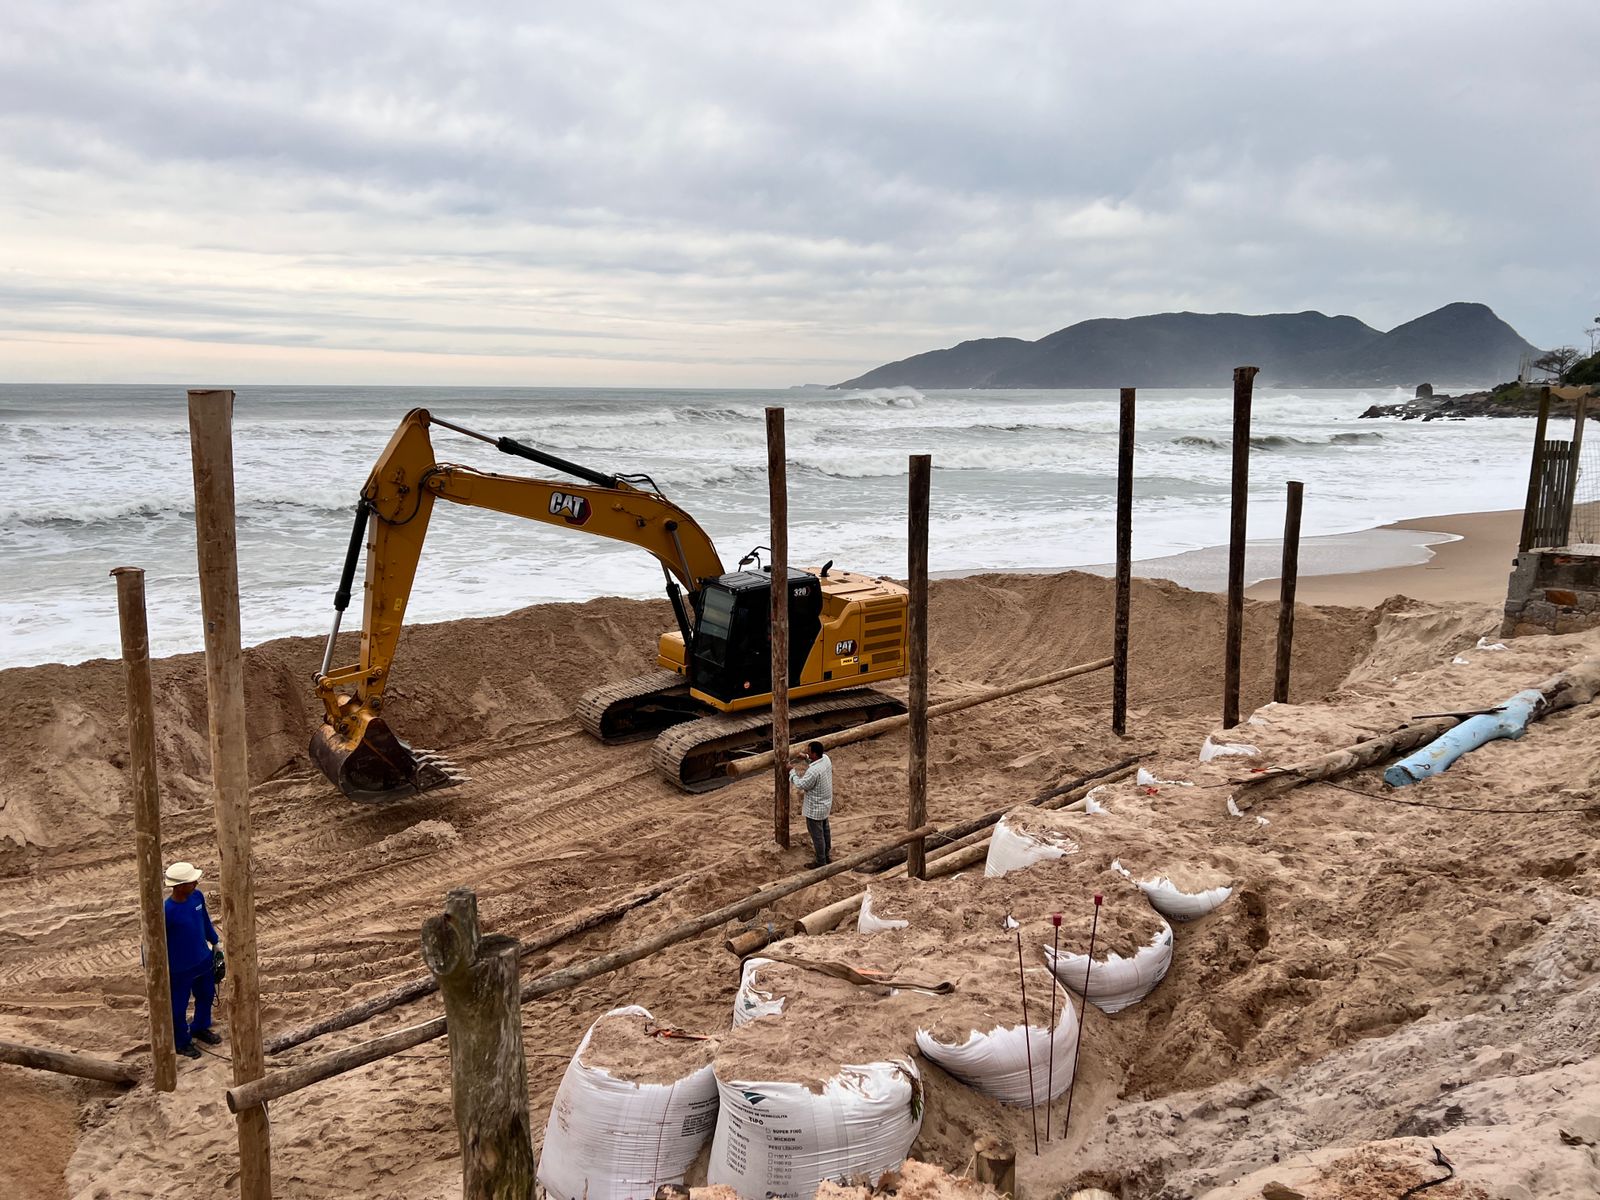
(1457, 344)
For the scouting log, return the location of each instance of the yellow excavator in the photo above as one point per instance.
(707, 705)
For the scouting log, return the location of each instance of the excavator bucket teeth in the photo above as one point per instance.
(381, 766)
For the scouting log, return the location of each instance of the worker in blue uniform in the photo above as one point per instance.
(191, 945)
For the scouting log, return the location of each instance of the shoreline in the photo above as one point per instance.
(1457, 557)
(1472, 566)
(1452, 557)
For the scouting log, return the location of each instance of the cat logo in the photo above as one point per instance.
(574, 510)
(840, 649)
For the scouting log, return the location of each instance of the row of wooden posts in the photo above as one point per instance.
(919, 477)
(452, 944)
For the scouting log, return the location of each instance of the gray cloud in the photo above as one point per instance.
(714, 193)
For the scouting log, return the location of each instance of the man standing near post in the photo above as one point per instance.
(816, 787)
(191, 942)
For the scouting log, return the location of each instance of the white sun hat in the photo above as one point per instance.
(182, 872)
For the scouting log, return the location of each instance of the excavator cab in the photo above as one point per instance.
(732, 656)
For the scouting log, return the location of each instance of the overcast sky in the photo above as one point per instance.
(763, 194)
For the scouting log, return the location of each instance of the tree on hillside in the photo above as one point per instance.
(1556, 363)
(1585, 370)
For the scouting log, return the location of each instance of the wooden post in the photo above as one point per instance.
(488, 1076)
(1243, 378)
(1530, 509)
(147, 823)
(425, 985)
(778, 507)
(1119, 643)
(1288, 577)
(64, 1063)
(921, 469)
(994, 1162)
(211, 448)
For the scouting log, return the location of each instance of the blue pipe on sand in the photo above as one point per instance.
(1510, 722)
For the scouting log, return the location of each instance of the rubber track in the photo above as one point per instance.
(724, 735)
(595, 704)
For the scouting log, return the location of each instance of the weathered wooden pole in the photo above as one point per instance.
(741, 767)
(211, 449)
(921, 470)
(1530, 509)
(147, 823)
(1243, 378)
(1288, 577)
(488, 1076)
(63, 1062)
(994, 1162)
(1119, 643)
(778, 506)
(242, 1096)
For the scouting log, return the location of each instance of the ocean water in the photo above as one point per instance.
(100, 477)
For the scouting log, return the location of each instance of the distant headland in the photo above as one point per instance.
(1461, 342)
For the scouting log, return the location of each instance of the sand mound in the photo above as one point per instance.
(637, 1048)
(1369, 949)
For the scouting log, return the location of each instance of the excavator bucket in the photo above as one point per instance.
(380, 766)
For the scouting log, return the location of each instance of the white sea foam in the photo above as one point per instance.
(101, 477)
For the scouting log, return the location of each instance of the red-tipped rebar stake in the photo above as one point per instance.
(1027, 1042)
(1050, 1073)
(1083, 1014)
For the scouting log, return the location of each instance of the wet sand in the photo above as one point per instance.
(1473, 566)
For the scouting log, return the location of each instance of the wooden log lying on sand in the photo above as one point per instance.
(291, 1079)
(1577, 685)
(1276, 780)
(872, 729)
(961, 829)
(954, 856)
(426, 985)
(63, 1062)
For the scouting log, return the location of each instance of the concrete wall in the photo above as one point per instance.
(1552, 591)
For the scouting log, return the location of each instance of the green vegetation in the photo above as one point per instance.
(1585, 370)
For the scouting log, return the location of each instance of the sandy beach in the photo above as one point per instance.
(1459, 557)
(1440, 964)
(1473, 566)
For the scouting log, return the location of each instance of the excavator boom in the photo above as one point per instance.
(355, 747)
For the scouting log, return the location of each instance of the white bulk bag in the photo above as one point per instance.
(781, 1139)
(1210, 750)
(997, 1063)
(752, 1000)
(1115, 982)
(870, 922)
(1175, 904)
(1146, 778)
(1012, 849)
(1172, 901)
(613, 1139)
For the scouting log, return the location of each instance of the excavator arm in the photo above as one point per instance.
(354, 747)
